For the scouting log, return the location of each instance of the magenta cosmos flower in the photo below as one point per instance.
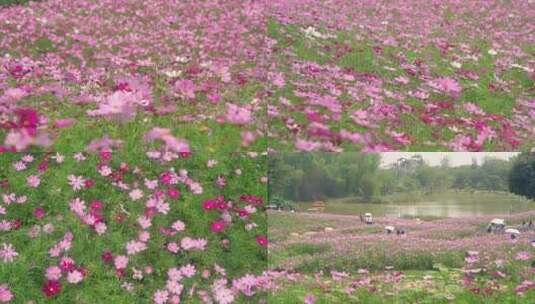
(218, 226)
(51, 288)
(262, 240)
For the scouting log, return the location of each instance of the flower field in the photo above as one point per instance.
(402, 75)
(327, 258)
(78, 228)
(307, 75)
(135, 138)
(123, 69)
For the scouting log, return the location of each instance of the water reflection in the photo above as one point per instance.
(465, 207)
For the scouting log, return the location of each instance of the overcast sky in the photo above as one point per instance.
(434, 158)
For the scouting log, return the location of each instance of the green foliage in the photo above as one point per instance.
(304, 248)
(320, 176)
(522, 176)
(13, 2)
(315, 176)
(282, 203)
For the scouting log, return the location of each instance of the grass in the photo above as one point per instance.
(310, 249)
(13, 2)
(412, 293)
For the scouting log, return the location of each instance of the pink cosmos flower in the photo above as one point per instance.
(209, 204)
(402, 80)
(119, 106)
(173, 193)
(337, 276)
(524, 286)
(79, 156)
(67, 264)
(237, 115)
(171, 143)
(27, 158)
(262, 240)
(20, 139)
(218, 226)
(137, 274)
(196, 188)
(188, 270)
(100, 228)
(75, 277)
(222, 294)
(186, 88)
(107, 256)
(161, 296)
(306, 146)
(174, 287)
(178, 226)
(53, 273)
(250, 226)
(51, 288)
(19, 166)
(188, 243)
(76, 182)
(361, 117)
(8, 253)
(173, 247)
(310, 299)
(5, 294)
(471, 257)
(277, 79)
(163, 207)
(64, 123)
(221, 181)
(245, 284)
(105, 170)
(33, 181)
(174, 274)
(22, 199)
(134, 247)
(460, 142)
(523, 256)
(144, 222)
(446, 85)
(151, 184)
(14, 94)
(136, 194)
(120, 262)
(39, 212)
(48, 228)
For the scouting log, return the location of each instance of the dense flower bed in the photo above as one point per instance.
(88, 227)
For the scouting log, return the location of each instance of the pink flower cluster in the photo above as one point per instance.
(93, 218)
(66, 268)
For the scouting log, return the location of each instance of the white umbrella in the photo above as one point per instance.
(512, 231)
(390, 228)
(498, 221)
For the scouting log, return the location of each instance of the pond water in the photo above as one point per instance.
(460, 206)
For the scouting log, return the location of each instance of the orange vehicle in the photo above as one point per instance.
(317, 206)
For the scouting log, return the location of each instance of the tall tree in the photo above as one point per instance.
(522, 176)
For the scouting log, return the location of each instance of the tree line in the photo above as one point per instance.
(318, 176)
